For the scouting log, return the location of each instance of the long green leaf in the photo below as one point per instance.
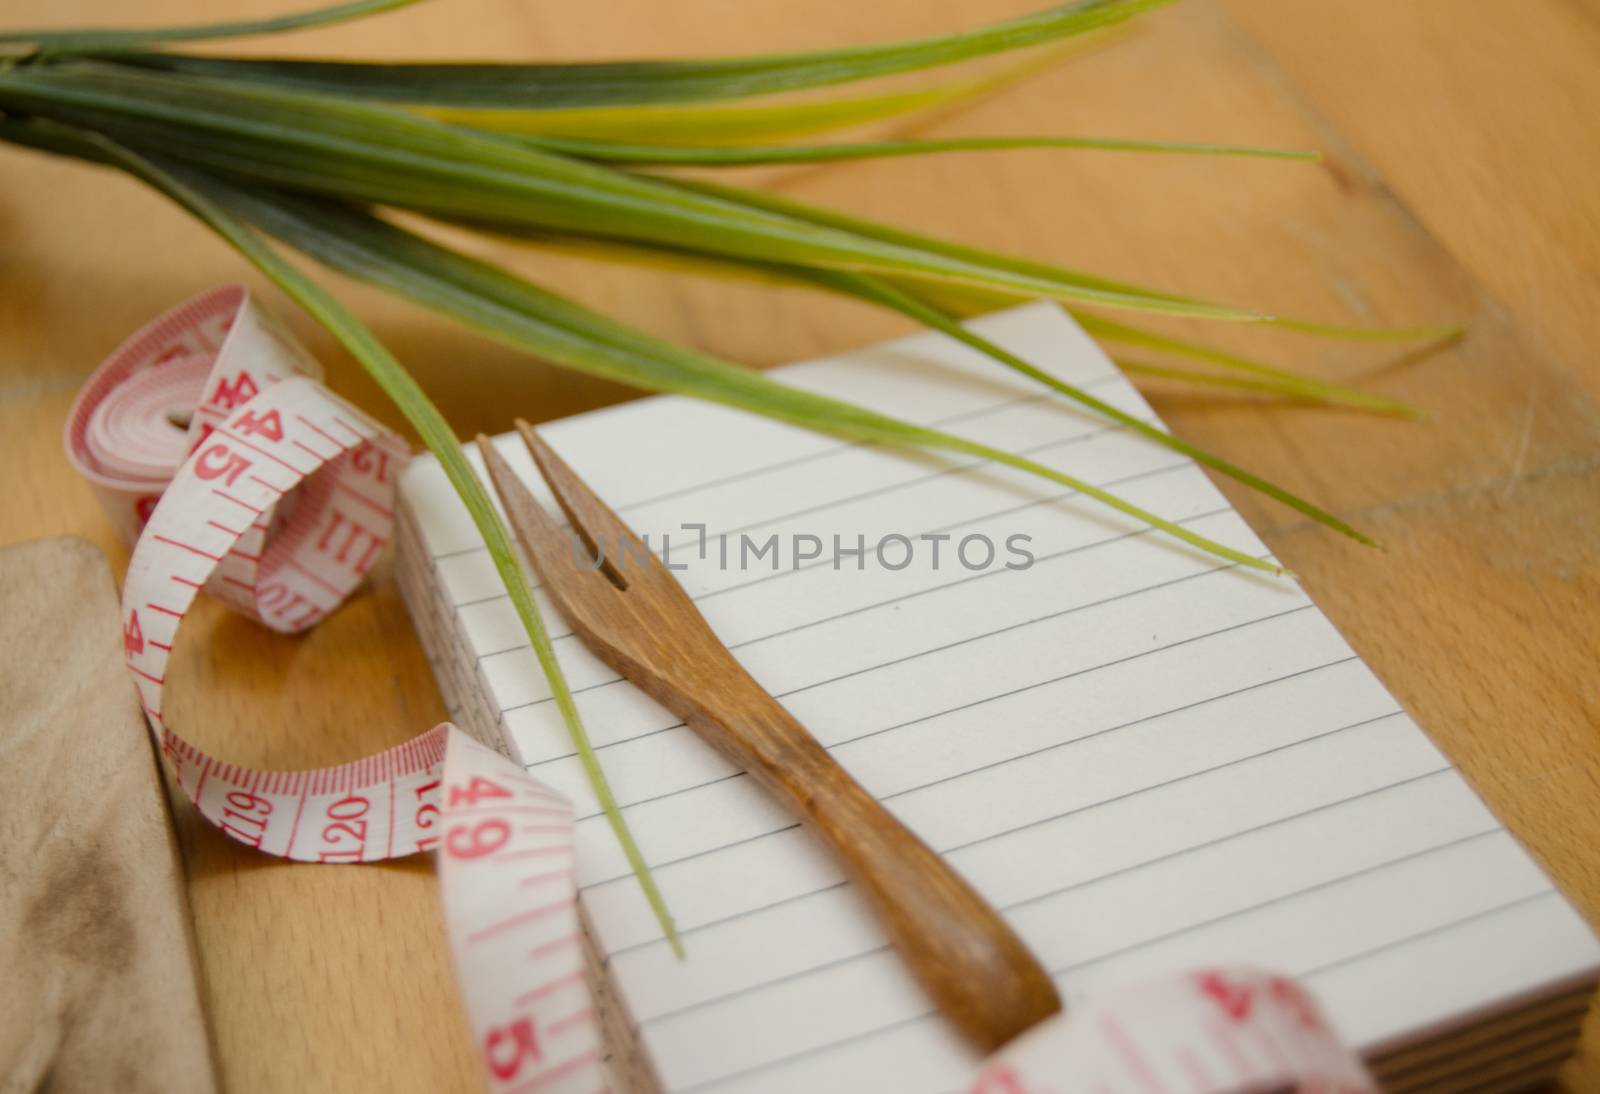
(111, 39)
(1264, 378)
(379, 155)
(601, 151)
(547, 86)
(526, 316)
(1259, 385)
(718, 124)
(992, 296)
(1280, 380)
(436, 434)
(741, 121)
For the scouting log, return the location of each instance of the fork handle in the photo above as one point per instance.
(966, 957)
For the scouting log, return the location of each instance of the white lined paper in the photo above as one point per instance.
(1146, 758)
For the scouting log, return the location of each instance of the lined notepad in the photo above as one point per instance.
(1147, 758)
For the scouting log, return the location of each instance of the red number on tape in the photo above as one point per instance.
(347, 814)
(344, 549)
(219, 461)
(277, 598)
(238, 393)
(268, 425)
(351, 808)
(427, 810)
(1234, 999)
(474, 841)
(371, 461)
(244, 816)
(133, 635)
(475, 791)
(507, 1048)
(249, 801)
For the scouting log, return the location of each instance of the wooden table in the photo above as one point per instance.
(1459, 186)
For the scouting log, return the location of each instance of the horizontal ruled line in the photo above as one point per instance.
(1350, 959)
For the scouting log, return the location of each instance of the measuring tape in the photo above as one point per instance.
(1227, 1029)
(214, 448)
(210, 443)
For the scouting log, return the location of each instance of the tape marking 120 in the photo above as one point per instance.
(211, 444)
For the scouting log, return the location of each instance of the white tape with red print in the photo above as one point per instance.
(207, 436)
(1241, 1030)
(208, 439)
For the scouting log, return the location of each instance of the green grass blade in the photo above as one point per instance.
(51, 137)
(816, 214)
(548, 86)
(601, 151)
(384, 156)
(1281, 381)
(718, 124)
(435, 432)
(989, 297)
(1266, 379)
(1432, 332)
(111, 39)
(1260, 385)
(743, 122)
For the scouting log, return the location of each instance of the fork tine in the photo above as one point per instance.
(547, 548)
(623, 552)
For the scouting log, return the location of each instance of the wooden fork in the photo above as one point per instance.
(638, 619)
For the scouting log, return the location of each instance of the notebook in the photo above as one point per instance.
(1147, 758)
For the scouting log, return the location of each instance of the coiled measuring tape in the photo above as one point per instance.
(214, 448)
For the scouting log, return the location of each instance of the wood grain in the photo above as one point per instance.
(1460, 140)
(634, 616)
(102, 989)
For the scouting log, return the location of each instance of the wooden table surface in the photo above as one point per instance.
(1459, 186)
